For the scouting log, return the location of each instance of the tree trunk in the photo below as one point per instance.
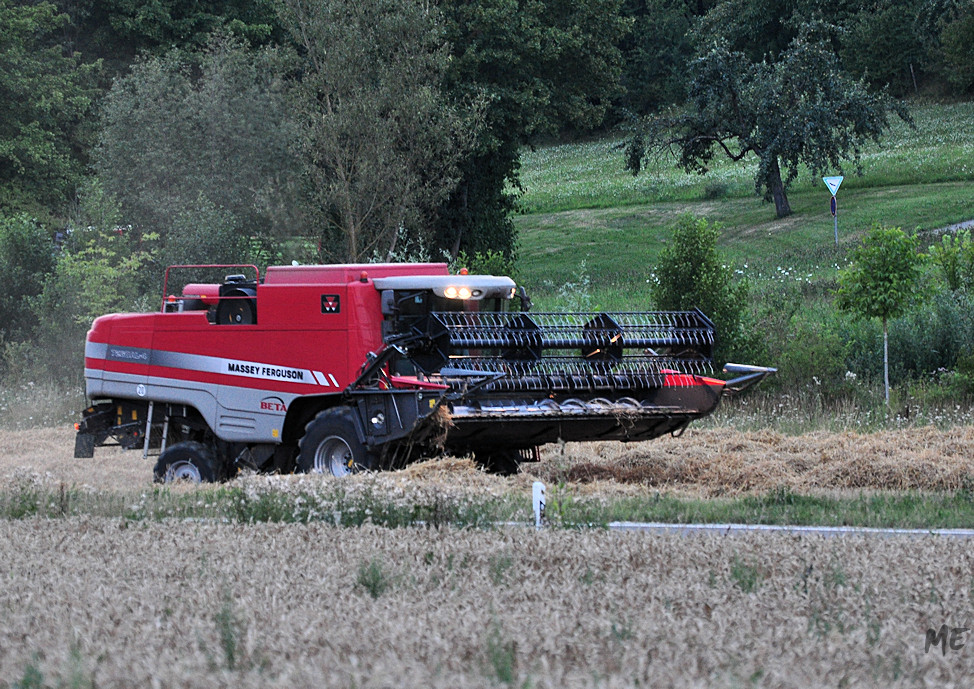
(777, 190)
(886, 359)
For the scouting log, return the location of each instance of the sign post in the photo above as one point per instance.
(833, 184)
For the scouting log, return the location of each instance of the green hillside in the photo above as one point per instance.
(580, 205)
(590, 234)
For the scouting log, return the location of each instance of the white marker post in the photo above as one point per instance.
(833, 184)
(538, 499)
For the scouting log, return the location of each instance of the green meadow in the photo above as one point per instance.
(584, 216)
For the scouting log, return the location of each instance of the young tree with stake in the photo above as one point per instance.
(883, 281)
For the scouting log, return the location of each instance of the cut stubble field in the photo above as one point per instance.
(120, 601)
(702, 463)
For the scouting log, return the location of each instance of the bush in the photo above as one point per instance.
(690, 274)
(954, 257)
(814, 356)
(926, 342)
(102, 273)
(715, 189)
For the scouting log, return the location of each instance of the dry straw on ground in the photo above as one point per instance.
(701, 462)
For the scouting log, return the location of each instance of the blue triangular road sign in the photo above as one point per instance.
(833, 183)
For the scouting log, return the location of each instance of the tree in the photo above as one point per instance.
(382, 138)
(543, 67)
(117, 31)
(882, 46)
(956, 39)
(882, 281)
(690, 274)
(26, 258)
(656, 52)
(185, 135)
(44, 96)
(799, 110)
(940, 26)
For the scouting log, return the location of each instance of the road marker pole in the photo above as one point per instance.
(538, 500)
(833, 184)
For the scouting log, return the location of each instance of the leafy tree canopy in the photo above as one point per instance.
(801, 109)
(544, 66)
(44, 96)
(656, 51)
(26, 257)
(882, 279)
(119, 30)
(382, 136)
(957, 38)
(206, 135)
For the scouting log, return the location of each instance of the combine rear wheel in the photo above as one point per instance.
(189, 461)
(331, 446)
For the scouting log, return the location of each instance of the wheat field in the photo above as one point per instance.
(109, 602)
(194, 605)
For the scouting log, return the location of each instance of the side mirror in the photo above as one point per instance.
(525, 299)
(388, 298)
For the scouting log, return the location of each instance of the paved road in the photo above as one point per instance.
(735, 529)
(966, 225)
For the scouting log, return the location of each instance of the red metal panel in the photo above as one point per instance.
(343, 274)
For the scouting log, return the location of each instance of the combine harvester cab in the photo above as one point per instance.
(339, 368)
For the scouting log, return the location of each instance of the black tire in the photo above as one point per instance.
(188, 461)
(236, 311)
(331, 446)
(503, 462)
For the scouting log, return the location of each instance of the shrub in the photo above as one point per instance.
(954, 257)
(715, 189)
(923, 342)
(690, 273)
(103, 275)
(814, 355)
(373, 577)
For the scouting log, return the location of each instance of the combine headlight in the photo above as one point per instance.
(457, 293)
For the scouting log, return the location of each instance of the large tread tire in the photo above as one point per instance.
(190, 461)
(502, 462)
(331, 446)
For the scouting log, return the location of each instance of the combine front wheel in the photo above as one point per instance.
(331, 445)
(503, 462)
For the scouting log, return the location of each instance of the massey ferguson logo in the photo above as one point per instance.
(273, 404)
(330, 303)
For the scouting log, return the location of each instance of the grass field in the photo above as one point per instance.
(582, 210)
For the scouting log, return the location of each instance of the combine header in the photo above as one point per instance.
(340, 368)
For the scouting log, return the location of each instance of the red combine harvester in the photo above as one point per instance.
(345, 367)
